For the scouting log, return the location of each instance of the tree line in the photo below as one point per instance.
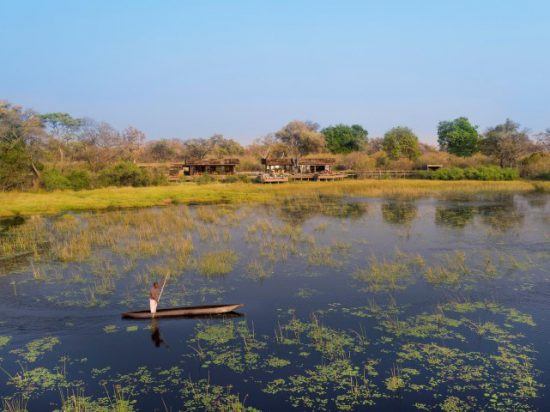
(60, 146)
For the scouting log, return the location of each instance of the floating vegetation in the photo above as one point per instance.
(36, 348)
(203, 396)
(338, 385)
(4, 340)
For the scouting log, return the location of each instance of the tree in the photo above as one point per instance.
(22, 142)
(543, 140)
(221, 146)
(345, 139)
(301, 138)
(63, 128)
(132, 140)
(458, 137)
(506, 143)
(401, 142)
(197, 148)
(62, 125)
(161, 150)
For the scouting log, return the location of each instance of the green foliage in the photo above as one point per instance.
(472, 173)
(15, 170)
(125, 174)
(54, 179)
(345, 139)
(401, 142)
(79, 179)
(458, 137)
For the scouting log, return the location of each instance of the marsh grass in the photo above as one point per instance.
(15, 404)
(383, 275)
(13, 203)
(216, 263)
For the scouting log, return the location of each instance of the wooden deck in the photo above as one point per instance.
(322, 177)
(273, 179)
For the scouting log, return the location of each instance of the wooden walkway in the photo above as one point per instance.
(322, 177)
(384, 174)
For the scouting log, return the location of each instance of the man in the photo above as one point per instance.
(154, 295)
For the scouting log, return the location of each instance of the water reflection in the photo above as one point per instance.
(399, 212)
(298, 210)
(155, 334)
(454, 216)
(503, 215)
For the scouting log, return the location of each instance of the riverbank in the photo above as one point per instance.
(32, 203)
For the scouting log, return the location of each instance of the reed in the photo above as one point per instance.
(216, 263)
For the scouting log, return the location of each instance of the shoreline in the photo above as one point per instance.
(45, 203)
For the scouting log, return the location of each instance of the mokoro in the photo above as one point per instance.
(184, 311)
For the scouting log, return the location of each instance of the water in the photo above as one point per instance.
(350, 304)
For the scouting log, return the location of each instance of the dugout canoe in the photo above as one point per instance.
(184, 311)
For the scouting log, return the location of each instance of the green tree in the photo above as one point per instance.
(458, 137)
(401, 142)
(506, 143)
(64, 130)
(62, 125)
(345, 139)
(22, 138)
(301, 138)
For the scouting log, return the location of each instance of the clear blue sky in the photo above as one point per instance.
(244, 68)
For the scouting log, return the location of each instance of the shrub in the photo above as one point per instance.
(125, 174)
(236, 178)
(536, 166)
(472, 173)
(204, 179)
(53, 179)
(79, 179)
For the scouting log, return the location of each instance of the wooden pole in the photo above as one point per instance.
(162, 288)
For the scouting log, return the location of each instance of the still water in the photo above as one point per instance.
(350, 304)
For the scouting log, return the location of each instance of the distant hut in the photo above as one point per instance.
(282, 165)
(203, 166)
(316, 165)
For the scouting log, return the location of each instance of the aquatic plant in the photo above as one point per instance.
(204, 396)
(216, 263)
(387, 276)
(36, 348)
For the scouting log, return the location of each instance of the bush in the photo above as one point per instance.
(204, 179)
(125, 174)
(53, 179)
(79, 179)
(236, 178)
(536, 166)
(472, 173)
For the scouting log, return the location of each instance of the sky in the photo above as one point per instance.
(185, 69)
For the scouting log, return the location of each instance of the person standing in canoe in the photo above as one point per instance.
(154, 295)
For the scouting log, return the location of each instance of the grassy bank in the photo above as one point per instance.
(25, 203)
